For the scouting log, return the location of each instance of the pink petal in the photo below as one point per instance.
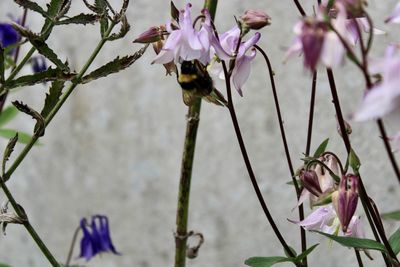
(165, 56)
(395, 16)
(332, 50)
(241, 72)
(318, 219)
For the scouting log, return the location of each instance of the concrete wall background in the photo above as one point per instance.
(115, 149)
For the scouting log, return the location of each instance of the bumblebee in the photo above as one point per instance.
(196, 82)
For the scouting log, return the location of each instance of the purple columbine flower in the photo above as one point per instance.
(185, 43)
(96, 237)
(318, 42)
(8, 35)
(225, 48)
(38, 64)
(384, 97)
(345, 200)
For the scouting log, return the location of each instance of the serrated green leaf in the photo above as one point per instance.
(52, 97)
(7, 115)
(321, 148)
(8, 151)
(394, 241)
(125, 27)
(305, 253)
(265, 261)
(41, 77)
(361, 243)
(32, 6)
(54, 7)
(114, 66)
(394, 215)
(40, 45)
(23, 138)
(39, 131)
(103, 25)
(80, 19)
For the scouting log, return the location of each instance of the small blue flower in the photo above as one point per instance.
(96, 237)
(38, 64)
(8, 36)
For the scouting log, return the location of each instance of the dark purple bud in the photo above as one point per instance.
(354, 8)
(345, 199)
(310, 181)
(154, 34)
(312, 38)
(255, 19)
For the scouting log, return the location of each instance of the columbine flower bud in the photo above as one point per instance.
(255, 19)
(152, 35)
(345, 200)
(310, 181)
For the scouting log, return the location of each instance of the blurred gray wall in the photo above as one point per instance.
(115, 148)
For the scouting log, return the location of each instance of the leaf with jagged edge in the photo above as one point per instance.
(32, 6)
(114, 66)
(2, 68)
(80, 19)
(54, 7)
(7, 152)
(35, 115)
(52, 97)
(41, 46)
(44, 76)
(125, 27)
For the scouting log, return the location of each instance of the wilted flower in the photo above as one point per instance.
(8, 35)
(384, 97)
(185, 43)
(255, 19)
(345, 200)
(96, 237)
(225, 48)
(38, 64)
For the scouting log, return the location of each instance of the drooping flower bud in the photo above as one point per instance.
(310, 181)
(152, 35)
(255, 19)
(38, 64)
(312, 38)
(345, 199)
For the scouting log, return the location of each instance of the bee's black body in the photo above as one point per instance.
(196, 82)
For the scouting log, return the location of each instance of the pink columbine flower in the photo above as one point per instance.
(225, 49)
(383, 98)
(317, 42)
(345, 200)
(325, 219)
(185, 43)
(395, 16)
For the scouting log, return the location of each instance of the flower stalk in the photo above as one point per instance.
(182, 214)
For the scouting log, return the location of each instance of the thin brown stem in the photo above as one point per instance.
(248, 164)
(71, 248)
(286, 148)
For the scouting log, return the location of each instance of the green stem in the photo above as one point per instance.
(57, 107)
(28, 147)
(184, 184)
(182, 212)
